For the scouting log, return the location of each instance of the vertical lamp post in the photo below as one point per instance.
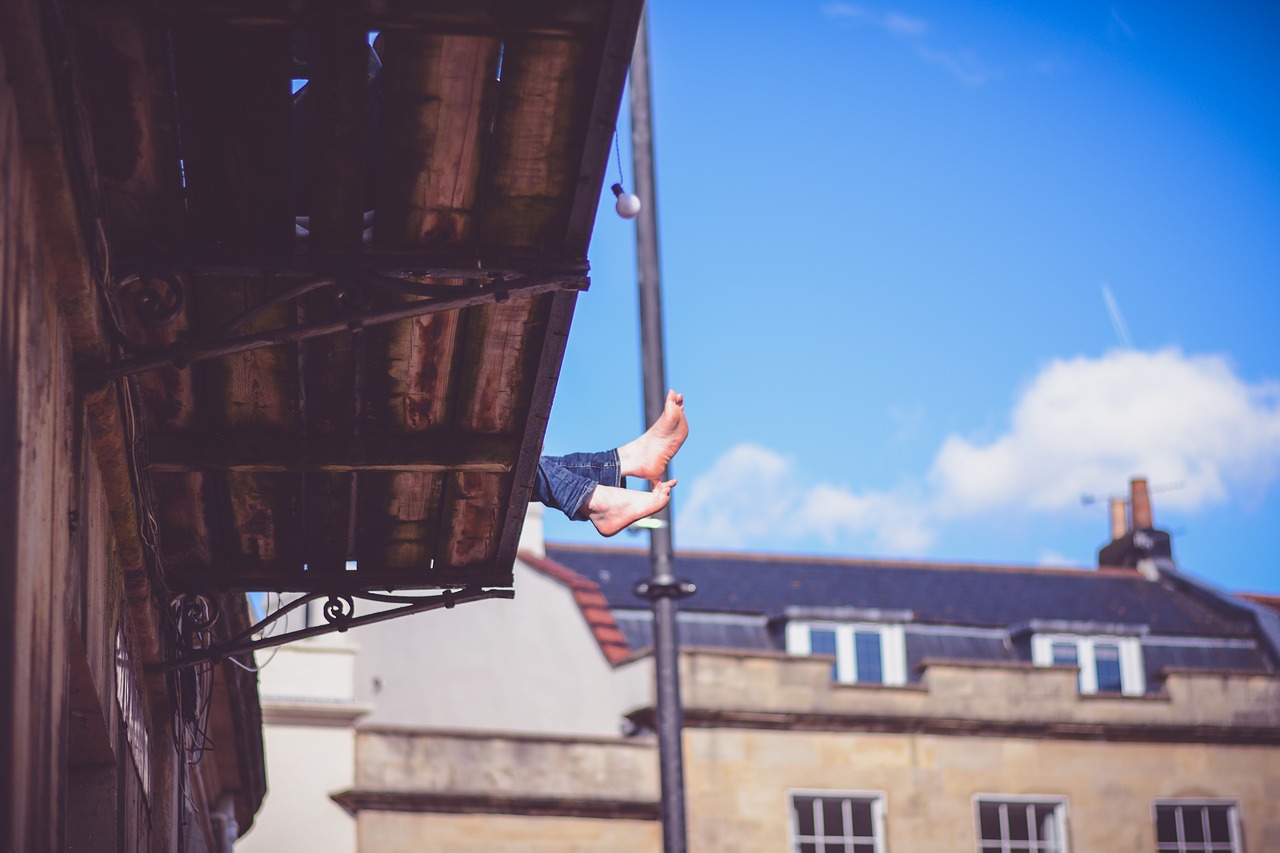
(662, 589)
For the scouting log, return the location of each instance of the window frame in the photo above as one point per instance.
(1233, 822)
(1133, 677)
(893, 648)
(1059, 801)
(879, 812)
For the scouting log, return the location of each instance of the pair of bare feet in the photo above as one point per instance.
(612, 509)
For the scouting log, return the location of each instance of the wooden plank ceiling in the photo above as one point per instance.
(449, 179)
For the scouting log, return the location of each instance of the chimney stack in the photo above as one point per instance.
(1136, 544)
(1140, 500)
(1119, 517)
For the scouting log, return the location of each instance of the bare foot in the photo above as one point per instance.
(649, 455)
(612, 509)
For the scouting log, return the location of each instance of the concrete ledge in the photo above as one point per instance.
(355, 801)
(696, 718)
(307, 712)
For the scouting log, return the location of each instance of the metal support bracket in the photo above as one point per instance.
(339, 613)
(664, 587)
(483, 286)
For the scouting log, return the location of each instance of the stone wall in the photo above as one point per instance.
(777, 689)
(762, 725)
(473, 791)
(737, 783)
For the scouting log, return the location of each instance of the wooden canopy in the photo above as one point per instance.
(342, 311)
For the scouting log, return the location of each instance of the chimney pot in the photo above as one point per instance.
(1119, 517)
(1140, 501)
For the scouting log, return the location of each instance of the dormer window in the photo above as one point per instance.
(1108, 664)
(865, 653)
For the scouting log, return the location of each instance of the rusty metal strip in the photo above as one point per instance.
(467, 296)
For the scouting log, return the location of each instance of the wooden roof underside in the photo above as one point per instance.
(405, 445)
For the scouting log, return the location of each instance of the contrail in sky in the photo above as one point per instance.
(1117, 320)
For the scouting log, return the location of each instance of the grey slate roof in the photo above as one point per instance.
(934, 593)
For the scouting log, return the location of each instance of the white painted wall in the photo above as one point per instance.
(305, 764)
(308, 716)
(526, 665)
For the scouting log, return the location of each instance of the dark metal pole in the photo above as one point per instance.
(663, 589)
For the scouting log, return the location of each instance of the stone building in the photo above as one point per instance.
(865, 705)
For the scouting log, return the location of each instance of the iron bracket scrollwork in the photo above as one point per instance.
(339, 613)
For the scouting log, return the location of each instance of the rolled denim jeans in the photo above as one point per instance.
(565, 482)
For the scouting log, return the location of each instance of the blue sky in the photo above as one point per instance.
(885, 232)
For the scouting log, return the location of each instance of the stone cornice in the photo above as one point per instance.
(357, 800)
(305, 712)
(703, 718)
(990, 699)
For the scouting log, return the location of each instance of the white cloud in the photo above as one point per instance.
(845, 10)
(748, 489)
(1086, 425)
(1118, 26)
(1082, 426)
(961, 64)
(904, 25)
(753, 495)
(895, 23)
(1051, 66)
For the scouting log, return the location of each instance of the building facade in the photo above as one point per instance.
(831, 704)
(99, 749)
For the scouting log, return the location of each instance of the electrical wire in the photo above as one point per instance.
(267, 631)
(617, 150)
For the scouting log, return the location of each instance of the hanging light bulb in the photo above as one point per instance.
(628, 205)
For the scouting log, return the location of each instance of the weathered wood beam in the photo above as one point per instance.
(434, 99)
(291, 577)
(334, 137)
(525, 197)
(437, 95)
(551, 357)
(398, 520)
(129, 100)
(532, 162)
(332, 454)
(420, 261)
(236, 133)
(267, 518)
(564, 18)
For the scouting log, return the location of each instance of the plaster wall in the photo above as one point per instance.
(305, 764)
(314, 670)
(526, 665)
(309, 740)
